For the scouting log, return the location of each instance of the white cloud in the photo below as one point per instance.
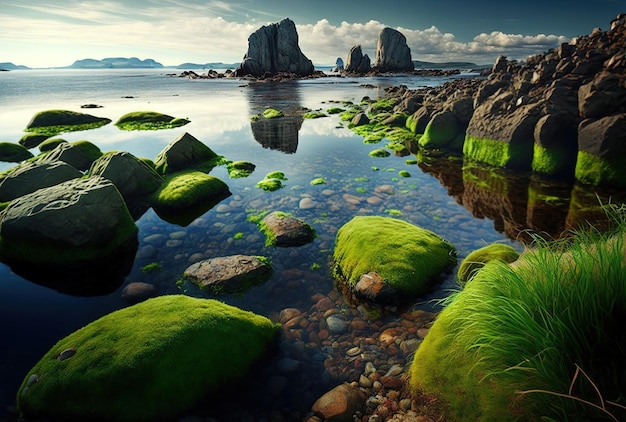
(173, 32)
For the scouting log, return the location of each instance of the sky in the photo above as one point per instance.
(52, 33)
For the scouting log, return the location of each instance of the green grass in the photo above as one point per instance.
(509, 345)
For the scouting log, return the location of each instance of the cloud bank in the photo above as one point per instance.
(55, 35)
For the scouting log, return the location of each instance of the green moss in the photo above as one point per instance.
(404, 173)
(186, 195)
(380, 153)
(394, 213)
(348, 115)
(134, 364)
(13, 153)
(239, 169)
(314, 115)
(498, 154)
(238, 235)
(553, 161)
(318, 181)
(276, 175)
(335, 110)
(53, 122)
(437, 135)
(526, 327)
(594, 170)
(270, 185)
(383, 104)
(32, 140)
(255, 217)
(272, 113)
(406, 257)
(150, 268)
(88, 149)
(410, 162)
(478, 258)
(149, 120)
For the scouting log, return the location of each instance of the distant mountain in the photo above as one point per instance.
(116, 63)
(216, 65)
(447, 65)
(11, 66)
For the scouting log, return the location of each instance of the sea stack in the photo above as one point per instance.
(274, 49)
(392, 52)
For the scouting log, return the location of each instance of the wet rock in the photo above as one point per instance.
(336, 324)
(30, 177)
(229, 274)
(282, 229)
(339, 404)
(138, 292)
(79, 154)
(185, 153)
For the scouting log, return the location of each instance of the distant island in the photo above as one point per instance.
(11, 66)
(116, 63)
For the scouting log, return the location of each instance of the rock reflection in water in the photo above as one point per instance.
(520, 205)
(280, 133)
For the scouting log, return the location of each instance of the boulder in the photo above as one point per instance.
(32, 140)
(13, 153)
(132, 176)
(357, 62)
(273, 49)
(601, 151)
(406, 259)
(392, 52)
(185, 196)
(185, 153)
(339, 66)
(555, 147)
(605, 92)
(77, 220)
(229, 274)
(441, 132)
(29, 177)
(52, 122)
(282, 229)
(146, 362)
(80, 154)
(149, 120)
(418, 121)
(340, 404)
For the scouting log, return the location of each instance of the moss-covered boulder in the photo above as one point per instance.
(187, 195)
(185, 153)
(150, 361)
(386, 260)
(77, 220)
(272, 181)
(53, 122)
(79, 154)
(32, 140)
(149, 120)
(441, 132)
(29, 177)
(478, 258)
(282, 229)
(510, 344)
(50, 144)
(239, 169)
(229, 274)
(132, 176)
(13, 153)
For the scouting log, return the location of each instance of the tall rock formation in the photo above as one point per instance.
(357, 62)
(274, 49)
(392, 52)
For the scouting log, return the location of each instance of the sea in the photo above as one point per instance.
(469, 205)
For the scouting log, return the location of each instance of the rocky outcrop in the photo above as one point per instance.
(392, 52)
(339, 66)
(274, 49)
(357, 62)
(557, 114)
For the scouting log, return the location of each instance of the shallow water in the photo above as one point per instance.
(467, 205)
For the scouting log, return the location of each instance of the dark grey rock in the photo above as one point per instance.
(357, 62)
(30, 177)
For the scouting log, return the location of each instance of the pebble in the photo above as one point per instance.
(173, 243)
(178, 235)
(147, 251)
(67, 353)
(286, 365)
(336, 324)
(307, 203)
(222, 208)
(351, 199)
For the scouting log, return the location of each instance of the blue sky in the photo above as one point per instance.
(47, 33)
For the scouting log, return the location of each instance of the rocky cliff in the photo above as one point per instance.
(274, 49)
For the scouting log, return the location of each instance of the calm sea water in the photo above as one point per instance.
(468, 206)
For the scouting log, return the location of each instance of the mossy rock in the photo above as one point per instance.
(149, 120)
(441, 131)
(497, 153)
(50, 144)
(272, 181)
(478, 258)
(283, 229)
(272, 113)
(403, 260)
(29, 177)
(186, 153)
(317, 181)
(239, 169)
(13, 153)
(53, 122)
(186, 195)
(379, 153)
(314, 115)
(509, 345)
(79, 154)
(594, 170)
(32, 140)
(150, 361)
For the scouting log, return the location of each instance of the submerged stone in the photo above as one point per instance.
(282, 229)
(229, 274)
(185, 153)
(146, 362)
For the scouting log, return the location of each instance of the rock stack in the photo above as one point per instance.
(392, 52)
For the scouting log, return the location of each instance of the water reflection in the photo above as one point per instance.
(280, 133)
(521, 205)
